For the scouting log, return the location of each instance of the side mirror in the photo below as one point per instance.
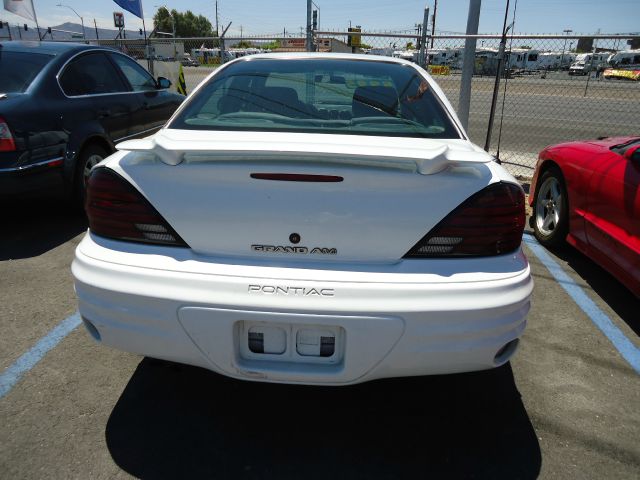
(163, 82)
(633, 154)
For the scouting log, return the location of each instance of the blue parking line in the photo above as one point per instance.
(28, 360)
(627, 349)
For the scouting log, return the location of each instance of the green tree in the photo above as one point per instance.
(244, 44)
(271, 45)
(187, 24)
(410, 46)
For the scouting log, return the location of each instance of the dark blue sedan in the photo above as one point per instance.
(64, 106)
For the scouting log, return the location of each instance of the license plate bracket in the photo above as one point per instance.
(291, 342)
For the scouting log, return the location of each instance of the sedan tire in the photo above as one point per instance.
(89, 158)
(551, 209)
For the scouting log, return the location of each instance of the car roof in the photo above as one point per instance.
(331, 56)
(48, 48)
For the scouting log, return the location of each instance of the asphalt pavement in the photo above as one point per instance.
(566, 406)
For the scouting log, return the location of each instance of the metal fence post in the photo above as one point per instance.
(423, 39)
(593, 56)
(468, 63)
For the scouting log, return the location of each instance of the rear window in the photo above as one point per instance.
(318, 96)
(18, 69)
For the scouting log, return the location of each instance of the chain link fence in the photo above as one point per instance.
(552, 88)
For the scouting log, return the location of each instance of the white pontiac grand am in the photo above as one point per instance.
(307, 218)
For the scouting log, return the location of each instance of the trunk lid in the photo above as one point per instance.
(391, 193)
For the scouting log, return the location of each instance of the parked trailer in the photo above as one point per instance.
(588, 62)
(555, 60)
(411, 55)
(445, 56)
(210, 56)
(625, 66)
(626, 58)
(523, 59)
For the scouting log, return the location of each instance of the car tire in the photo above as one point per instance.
(90, 156)
(551, 209)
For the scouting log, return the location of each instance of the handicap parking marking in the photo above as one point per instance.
(14, 372)
(625, 347)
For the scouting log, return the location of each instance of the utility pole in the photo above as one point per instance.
(224, 32)
(468, 63)
(217, 31)
(433, 22)
(309, 34)
(496, 85)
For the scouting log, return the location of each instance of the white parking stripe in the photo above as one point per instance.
(627, 349)
(28, 360)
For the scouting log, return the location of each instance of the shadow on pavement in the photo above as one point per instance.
(31, 228)
(617, 296)
(179, 421)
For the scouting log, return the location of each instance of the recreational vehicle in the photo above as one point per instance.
(588, 62)
(555, 60)
(522, 59)
(445, 56)
(625, 59)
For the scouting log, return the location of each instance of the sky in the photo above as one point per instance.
(272, 17)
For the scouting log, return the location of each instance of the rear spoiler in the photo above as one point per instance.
(424, 161)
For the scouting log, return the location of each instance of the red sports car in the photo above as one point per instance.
(588, 193)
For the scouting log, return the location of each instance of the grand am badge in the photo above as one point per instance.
(295, 250)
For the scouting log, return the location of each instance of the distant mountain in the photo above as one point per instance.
(66, 31)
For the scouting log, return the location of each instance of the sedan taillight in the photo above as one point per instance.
(490, 222)
(7, 144)
(117, 210)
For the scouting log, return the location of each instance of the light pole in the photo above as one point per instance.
(173, 28)
(84, 37)
(567, 32)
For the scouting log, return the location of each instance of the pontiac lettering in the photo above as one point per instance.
(292, 291)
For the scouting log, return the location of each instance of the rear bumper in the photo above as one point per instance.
(44, 176)
(392, 323)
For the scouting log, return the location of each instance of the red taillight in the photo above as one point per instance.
(7, 144)
(488, 223)
(117, 210)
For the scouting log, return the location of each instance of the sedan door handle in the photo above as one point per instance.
(104, 112)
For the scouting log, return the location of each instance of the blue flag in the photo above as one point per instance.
(133, 6)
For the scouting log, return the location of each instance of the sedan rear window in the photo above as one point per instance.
(318, 96)
(18, 69)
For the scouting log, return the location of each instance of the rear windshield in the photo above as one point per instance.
(318, 96)
(18, 69)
